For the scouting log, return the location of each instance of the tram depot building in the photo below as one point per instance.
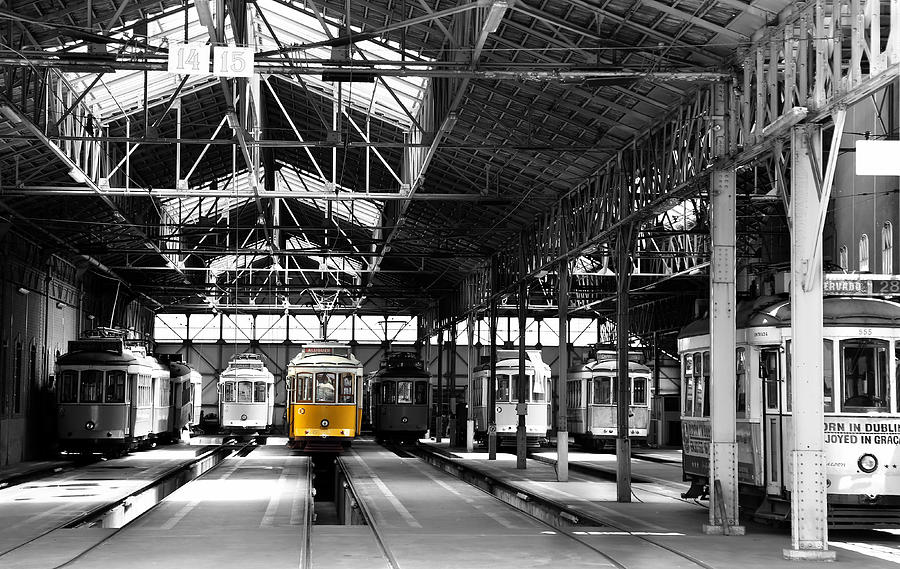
(626, 226)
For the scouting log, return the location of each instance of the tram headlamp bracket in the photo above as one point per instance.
(867, 463)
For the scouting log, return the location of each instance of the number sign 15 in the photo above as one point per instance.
(233, 61)
(189, 58)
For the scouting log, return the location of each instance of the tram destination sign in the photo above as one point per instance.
(861, 285)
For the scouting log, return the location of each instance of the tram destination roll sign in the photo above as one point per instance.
(861, 285)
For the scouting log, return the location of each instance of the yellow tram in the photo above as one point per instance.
(325, 400)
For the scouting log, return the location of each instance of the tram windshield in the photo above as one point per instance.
(421, 392)
(303, 387)
(325, 389)
(404, 391)
(603, 390)
(68, 390)
(865, 375)
(259, 392)
(115, 386)
(91, 390)
(245, 392)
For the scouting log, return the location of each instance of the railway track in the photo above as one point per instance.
(118, 512)
(581, 527)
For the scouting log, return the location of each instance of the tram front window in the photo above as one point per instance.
(865, 375)
(259, 392)
(389, 392)
(404, 391)
(603, 391)
(115, 386)
(503, 389)
(538, 389)
(91, 386)
(245, 392)
(346, 388)
(325, 390)
(639, 391)
(68, 391)
(422, 392)
(228, 392)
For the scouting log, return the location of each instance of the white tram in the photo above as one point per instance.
(246, 395)
(861, 352)
(592, 395)
(112, 396)
(537, 418)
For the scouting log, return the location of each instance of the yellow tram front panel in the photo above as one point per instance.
(316, 420)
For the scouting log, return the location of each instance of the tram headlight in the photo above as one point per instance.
(244, 417)
(325, 423)
(404, 420)
(867, 463)
(90, 425)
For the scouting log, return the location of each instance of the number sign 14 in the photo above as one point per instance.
(233, 61)
(189, 58)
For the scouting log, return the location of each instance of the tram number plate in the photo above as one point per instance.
(191, 58)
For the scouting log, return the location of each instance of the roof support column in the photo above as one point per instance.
(562, 431)
(470, 385)
(723, 507)
(492, 382)
(623, 389)
(439, 413)
(809, 529)
(522, 387)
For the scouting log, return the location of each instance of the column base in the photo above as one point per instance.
(710, 529)
(809, 554)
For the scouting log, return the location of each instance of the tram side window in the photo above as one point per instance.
(245, 392)
(828, 373)
(478, 390)
(259, 392)
(768, 373)
(346, 388)
(787, 376)
(91, 386)
(115, 386)
(68, 391)
(325, 388)
(389, 392)
(502, 389)
(228, 392)
(639, 391)
(573, 393)
(404, 391)
(688, 367)
(699, 395)
(865, 375)
(704, 384)
(740, 382)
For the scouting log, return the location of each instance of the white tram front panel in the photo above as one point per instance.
(102, 396)
(537, 418)
(861, 430)
(246, 394)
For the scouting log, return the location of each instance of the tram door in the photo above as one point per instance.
(771, 380)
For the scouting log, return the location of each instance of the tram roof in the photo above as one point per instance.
(836, 311)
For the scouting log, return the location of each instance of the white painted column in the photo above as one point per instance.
(723, 491)
(470, 419)
(809, 528)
